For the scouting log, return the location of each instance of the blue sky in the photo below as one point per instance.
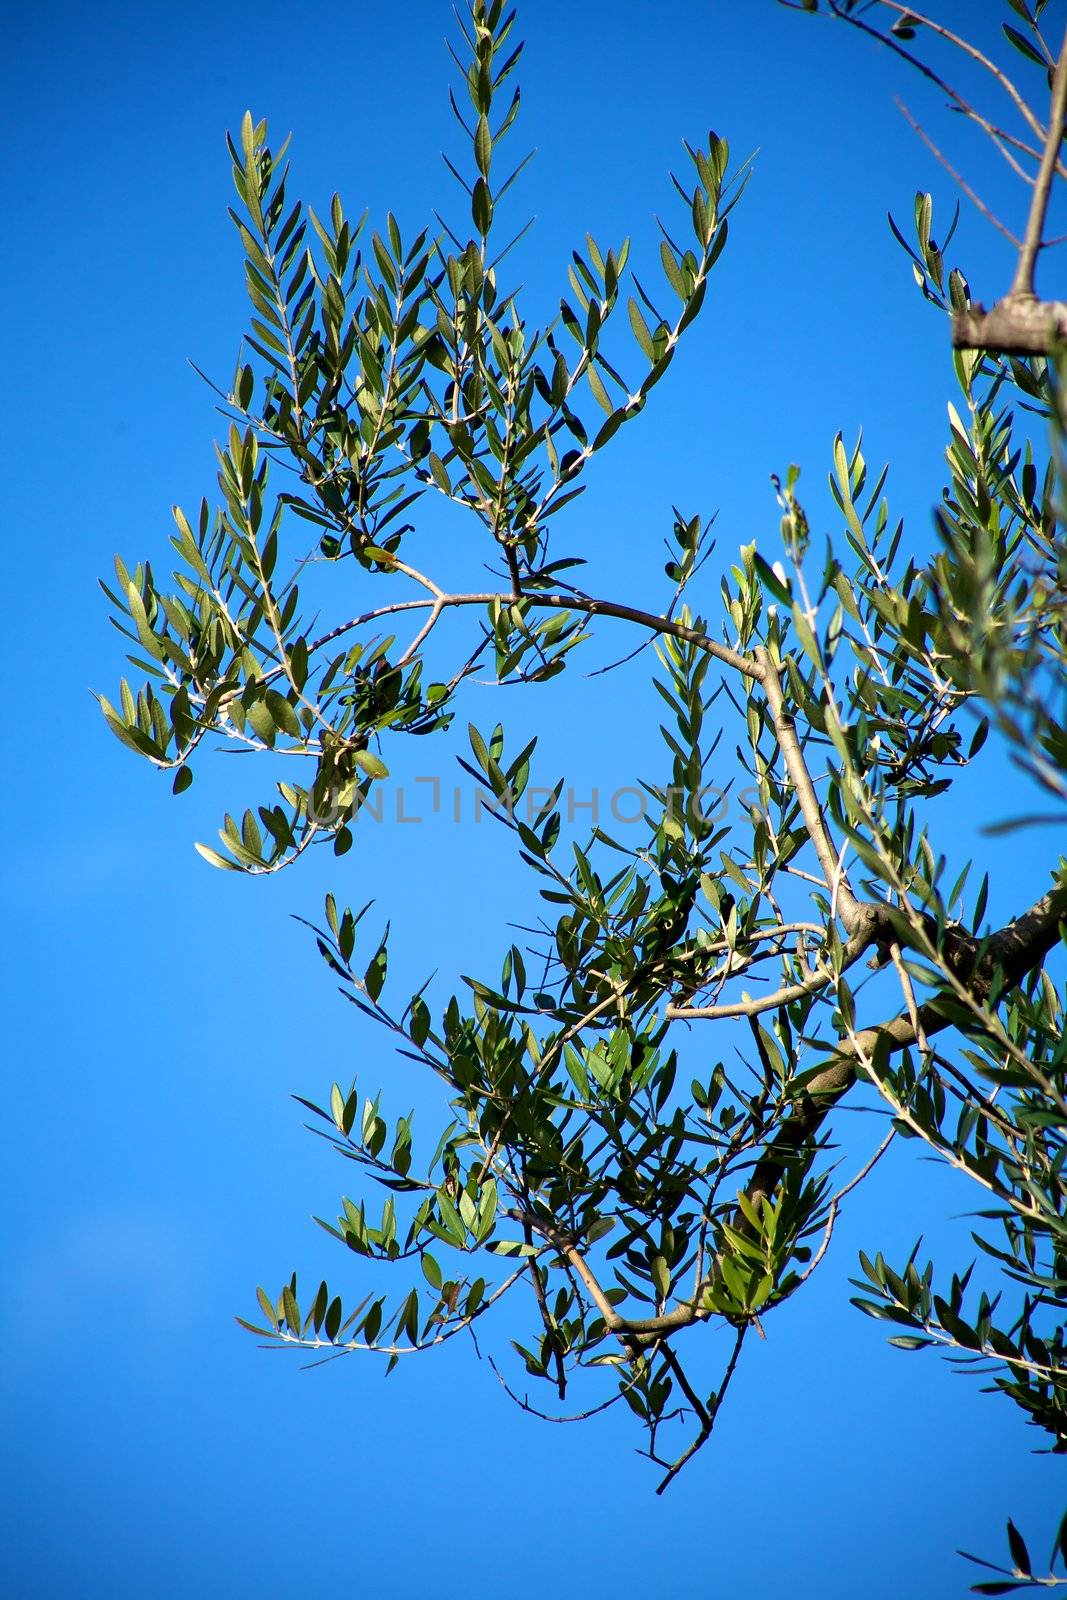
(161, 1014)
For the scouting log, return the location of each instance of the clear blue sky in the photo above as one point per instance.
(160, 1014)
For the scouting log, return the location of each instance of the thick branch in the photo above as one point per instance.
(1016, 326)
(1015, 950)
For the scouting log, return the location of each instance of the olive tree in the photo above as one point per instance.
(820, 934)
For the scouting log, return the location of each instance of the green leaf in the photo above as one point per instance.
(215, 860)
(483, 145)
(371, 764)
(807, 638)
(282, 713)
(291, 1310)
(482, 207)
(267, 1307)
(596, 383)
(770, 580)
(419, 1020)
(611, 427)
(148, 638)
(262, 722)
(1025, 48)
(1019, 1553)
(337, 1106)
(672, 271)
(451, 1220)
(641, 330)
(438, 473)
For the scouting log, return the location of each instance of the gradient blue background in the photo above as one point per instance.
(160, 1014)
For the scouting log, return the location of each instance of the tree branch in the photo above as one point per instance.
(855, 947)
(810, 810)
(746, 665)
(1023, 282)
(1013, 951)
(1020, 324)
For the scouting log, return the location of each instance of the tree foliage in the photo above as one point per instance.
(581, 1165)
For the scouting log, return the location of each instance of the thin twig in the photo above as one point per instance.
(546, 1416)
(1023, 282)
(708, 1417)
(592, 607)
(961, 44)
(956, 177)
(835, 1207)
(855, 947)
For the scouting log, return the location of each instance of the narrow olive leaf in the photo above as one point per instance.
(482, 207)
(431, 1271)
(611, 427)
(282, 713)
(337, 1106)
(262, 722)
(214, 859)
(267, 1306)
(1023, 45)
(291, 1310)
(596, 383)
(778, 586)
(1019, 1553)
(483, 145)
(148, 638)
(807, 639)
(371, 764)
(438, 473)
(130, 736)
(672, 271)
(641, 330)
(419, 1023)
